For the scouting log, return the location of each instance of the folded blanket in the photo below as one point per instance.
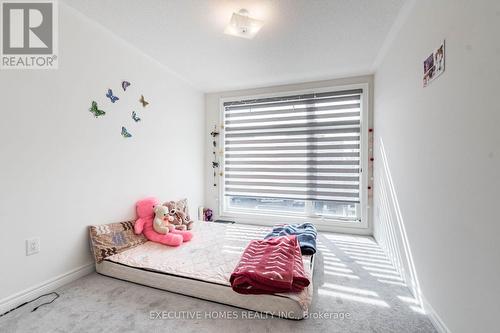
(270, 266)
(305, 232)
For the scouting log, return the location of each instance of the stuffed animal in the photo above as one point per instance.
(176, 220)
(207, 214)
(162, 222)
(180, 215)
(180, 220)
(144, 224)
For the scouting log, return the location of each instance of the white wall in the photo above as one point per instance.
(442, 150)
(62, 170)
(212, 109)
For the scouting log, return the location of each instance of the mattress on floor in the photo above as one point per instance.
(201, 268)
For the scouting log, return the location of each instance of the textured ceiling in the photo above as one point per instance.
(302, 40)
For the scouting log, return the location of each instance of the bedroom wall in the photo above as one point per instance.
(437, 156)
(61, 169)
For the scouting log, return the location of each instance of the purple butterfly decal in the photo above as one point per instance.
(125, 85)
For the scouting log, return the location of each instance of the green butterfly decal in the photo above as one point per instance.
(93, 109)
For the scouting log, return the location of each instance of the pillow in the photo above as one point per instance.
(109, 239)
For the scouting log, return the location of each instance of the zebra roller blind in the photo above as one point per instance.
(302, 147)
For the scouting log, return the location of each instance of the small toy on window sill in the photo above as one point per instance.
(207, 215)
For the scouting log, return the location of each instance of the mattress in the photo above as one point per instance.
(201, 268)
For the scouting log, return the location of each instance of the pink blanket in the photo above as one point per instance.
(270, 266)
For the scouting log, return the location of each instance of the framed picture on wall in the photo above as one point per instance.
(434, 65)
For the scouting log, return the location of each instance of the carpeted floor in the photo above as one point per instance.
(354, 284)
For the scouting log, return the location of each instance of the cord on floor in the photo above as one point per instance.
(23, 304)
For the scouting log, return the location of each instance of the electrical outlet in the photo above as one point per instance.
(32, 246)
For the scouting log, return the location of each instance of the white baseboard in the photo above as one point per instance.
(45, 287)
(434, 317)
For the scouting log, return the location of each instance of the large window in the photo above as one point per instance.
(294, 155)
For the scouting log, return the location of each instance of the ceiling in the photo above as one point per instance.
(302, 40)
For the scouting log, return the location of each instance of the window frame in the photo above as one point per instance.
(322, 222)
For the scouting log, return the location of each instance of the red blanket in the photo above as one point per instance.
(270, 266)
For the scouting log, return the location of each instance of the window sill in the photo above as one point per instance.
(322, 223)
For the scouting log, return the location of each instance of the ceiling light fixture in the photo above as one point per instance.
(242, 25)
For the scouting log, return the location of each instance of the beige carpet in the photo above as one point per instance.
(355, 290)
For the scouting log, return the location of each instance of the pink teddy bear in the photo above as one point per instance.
(144, 224)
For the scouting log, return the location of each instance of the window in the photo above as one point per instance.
(298, 155)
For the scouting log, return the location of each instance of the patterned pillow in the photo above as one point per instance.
(113, 238)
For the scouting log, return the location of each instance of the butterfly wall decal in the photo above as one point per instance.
(143, 101)
(125, 133)
(95, 110)
(134, 116)
(111, 97)
(125, 85)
